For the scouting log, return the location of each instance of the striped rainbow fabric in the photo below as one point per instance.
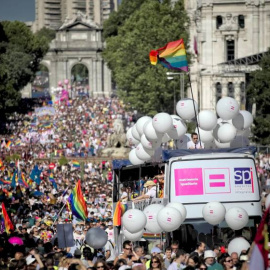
(172, 56)
(8, 226)
(77, 202)
(75, 164)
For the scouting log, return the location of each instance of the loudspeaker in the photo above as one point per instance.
(65, 235)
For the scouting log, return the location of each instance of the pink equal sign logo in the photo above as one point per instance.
(150, 217)
(232, 108)
(240, 216)
(155, 119)
(211, 211)
(169, 219)
(182, 104)
(129, 216)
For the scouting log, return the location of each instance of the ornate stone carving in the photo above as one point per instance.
(229, 23)
(116, 142)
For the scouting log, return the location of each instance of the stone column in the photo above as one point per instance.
(107, 80)
(255, 29)
(261, 29)
(99, 77)
(94, 70)
(90, 77)
(224, 85)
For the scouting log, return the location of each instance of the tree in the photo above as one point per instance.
(258, 93)
(46, 33)
(139, 84)
(117, 19)
(20, 54)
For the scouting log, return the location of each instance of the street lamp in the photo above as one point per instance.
(182, 82)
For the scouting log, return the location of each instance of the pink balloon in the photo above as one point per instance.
(60, 83)
(66, 81)
(69, 86)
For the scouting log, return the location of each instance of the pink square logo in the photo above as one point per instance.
(188, 181)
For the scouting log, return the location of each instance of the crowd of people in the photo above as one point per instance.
(80, 128)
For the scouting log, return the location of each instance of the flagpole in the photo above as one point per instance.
(193, 101)
(59, 212)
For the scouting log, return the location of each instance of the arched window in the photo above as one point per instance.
(218, 91)
(241, 21)
(218, 21)
(41, 83)
(230, 90)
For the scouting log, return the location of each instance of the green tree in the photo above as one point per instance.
(46, 33)
(258, 93)
(118, 18)
(139, 84)
(20, 54)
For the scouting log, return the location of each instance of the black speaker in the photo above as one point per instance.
(65, 235)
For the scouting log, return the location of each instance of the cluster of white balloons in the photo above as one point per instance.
(148, 133)
(230, 130)
(214, 213)
(155, 218)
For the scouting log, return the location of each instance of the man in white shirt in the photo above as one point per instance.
(195, 143)
(151, 193)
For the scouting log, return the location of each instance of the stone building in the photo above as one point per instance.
(53, 13)
(78, 41)
(230, 37)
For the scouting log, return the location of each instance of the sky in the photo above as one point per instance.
(17, 10)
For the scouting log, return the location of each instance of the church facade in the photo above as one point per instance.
(227, 39)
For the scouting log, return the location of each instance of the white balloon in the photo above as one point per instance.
(169, 219)
(207, 120)
(185, 108)
(267, 201)
(135, 133)
(244, 132)
(165, 138)
(140, 124)
(179, 128)
(243, 120)
(132, 236)
(131, 140)
(222, 145)
(226, 133)
(142, 153)
(134, 220)
(236, 218)
(151, 213)
(151, 145)
(227, 108)
(150, 132)
(180, 207)
(133, 158)
(238, 245)
(214, 212)
(96, 238)
(239, 141)
(162, 122)
(182, 142)
(205, 136)
(210, 145)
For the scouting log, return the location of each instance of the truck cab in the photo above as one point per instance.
(194, 178)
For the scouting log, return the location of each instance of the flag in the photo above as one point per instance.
(35, 174)
(8, 144)
(259, 255)
(51, 179)
(77, 202)
(124, 208)
(75, 164)
(7, 222)
(195, 46)
(172, 56)
(22, 180)
(117, 214)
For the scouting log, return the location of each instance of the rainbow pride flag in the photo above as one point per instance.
(8, 144)
(77, 202)
(172, 56)
(7, 222)
(117, 214)
(124, 208)
(76, 164)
